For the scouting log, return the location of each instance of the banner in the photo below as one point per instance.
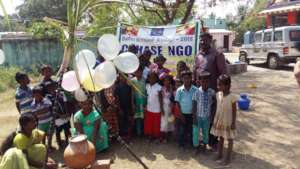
(170, 41)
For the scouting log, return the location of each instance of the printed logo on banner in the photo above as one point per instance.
(157, 31)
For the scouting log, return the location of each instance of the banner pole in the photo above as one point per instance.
(119, 31)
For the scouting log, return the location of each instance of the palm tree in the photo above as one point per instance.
(2, 7)
(76, 9)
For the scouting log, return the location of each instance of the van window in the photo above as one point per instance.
(257, 37)
(278, 36)
(295, 35)
(268, 37)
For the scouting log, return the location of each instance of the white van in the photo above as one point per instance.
(275, 46)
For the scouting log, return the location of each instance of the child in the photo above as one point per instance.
(184, 96)
(160, 60)
(224, 125)
(154, 107)
(139, 100)
(23, 149)
(167, 119)
(46, 72)
(202, 106)
(124, 93)
(88, 121)
(145, 62)
(180, 67)
(110, 109)
(23, 93)
(178, 83)
(62, 118)
(41, 108)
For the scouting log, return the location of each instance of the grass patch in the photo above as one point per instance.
(7, 78)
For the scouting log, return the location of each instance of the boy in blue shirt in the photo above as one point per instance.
(203, 101)
(183, 98)
(23, 93)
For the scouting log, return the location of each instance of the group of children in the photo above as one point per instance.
(162, 105)
(49, 106)
(150, 102)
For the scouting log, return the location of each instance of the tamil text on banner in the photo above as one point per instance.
(170, 41)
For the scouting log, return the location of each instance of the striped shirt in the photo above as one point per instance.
(42, 110)
(204, 101)
(24, 99)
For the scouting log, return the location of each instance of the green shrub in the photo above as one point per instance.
(7, 77)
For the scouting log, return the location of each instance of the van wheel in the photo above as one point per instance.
(273, 62)
(243, 58)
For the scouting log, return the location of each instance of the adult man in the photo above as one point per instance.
(210, 60)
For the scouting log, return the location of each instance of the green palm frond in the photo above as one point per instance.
(5, 14)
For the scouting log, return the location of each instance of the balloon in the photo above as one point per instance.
(109, 46)
(105, 74)
(2, 57)
(85, 59)
(80, 95)
(70, 82)
(88, 82)
(127, 62)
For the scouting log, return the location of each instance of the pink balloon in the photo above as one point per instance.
(70, 82)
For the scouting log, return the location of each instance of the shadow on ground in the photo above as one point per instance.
(167, 156)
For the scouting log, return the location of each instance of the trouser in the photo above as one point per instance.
(139, 126)
(203, 124)
(124, 123)
(185, 130)
(213, 140)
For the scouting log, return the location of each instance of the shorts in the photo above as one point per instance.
(64, 127)
(44, 127)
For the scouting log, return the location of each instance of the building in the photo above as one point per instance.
(222, 37)
(282, 13)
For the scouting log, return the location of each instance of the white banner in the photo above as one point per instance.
(170, 41)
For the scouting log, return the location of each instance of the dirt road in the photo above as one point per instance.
(268, 134)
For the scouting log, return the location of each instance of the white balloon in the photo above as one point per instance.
(2, 57)
(105, 74)
(85, 59)
(80, 95)
(70, 82)
(109, 46)
(127, 62)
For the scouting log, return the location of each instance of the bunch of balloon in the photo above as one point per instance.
(94, 79)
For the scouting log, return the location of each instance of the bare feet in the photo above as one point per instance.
(218, 158)
(226, 162)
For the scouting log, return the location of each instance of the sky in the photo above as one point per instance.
(10, 6)
(221, 9)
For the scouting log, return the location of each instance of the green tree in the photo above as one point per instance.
(165, 10)
(38, 9)
(248, 20)
(105, 20)
(44, 30)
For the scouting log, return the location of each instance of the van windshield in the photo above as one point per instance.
(295, 35)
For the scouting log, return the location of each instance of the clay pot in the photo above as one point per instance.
(80, 153)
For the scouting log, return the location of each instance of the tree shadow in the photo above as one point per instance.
(285, 67)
